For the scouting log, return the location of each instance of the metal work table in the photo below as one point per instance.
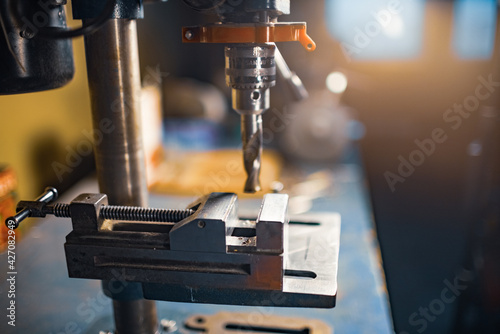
(47, 301)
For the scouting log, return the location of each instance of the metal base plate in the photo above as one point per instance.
(230, 323)
(310, 280)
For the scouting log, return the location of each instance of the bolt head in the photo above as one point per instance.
(27, 34)
(189, 35)
(168, 326)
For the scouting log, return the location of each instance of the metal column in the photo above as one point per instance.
(115, 87)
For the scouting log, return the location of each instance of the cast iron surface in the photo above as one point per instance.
(74, 305)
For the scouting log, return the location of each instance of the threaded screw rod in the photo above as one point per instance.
(131, 213)
(115, 212)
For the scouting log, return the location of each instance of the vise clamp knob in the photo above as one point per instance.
(34, 208)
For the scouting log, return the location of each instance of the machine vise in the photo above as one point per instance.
(203, 254)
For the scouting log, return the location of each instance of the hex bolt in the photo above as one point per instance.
(189, 35)
(27, 34)
(168, 326)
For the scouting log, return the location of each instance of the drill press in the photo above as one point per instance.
(205, 253)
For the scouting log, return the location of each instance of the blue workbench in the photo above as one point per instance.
(47, 301)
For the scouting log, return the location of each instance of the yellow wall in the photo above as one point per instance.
(43, 120)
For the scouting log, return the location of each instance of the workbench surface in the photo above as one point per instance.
(47, 301)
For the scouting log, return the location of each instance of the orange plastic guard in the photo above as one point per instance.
(249, 33)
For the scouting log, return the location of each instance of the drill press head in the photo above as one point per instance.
(249, 29)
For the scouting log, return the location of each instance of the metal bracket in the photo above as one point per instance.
(249, 33)
(227, 323)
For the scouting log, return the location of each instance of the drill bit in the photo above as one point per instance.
(251, 135)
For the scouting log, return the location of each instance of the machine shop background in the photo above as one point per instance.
(438, 219)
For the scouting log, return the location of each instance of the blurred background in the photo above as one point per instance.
(408, 88)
